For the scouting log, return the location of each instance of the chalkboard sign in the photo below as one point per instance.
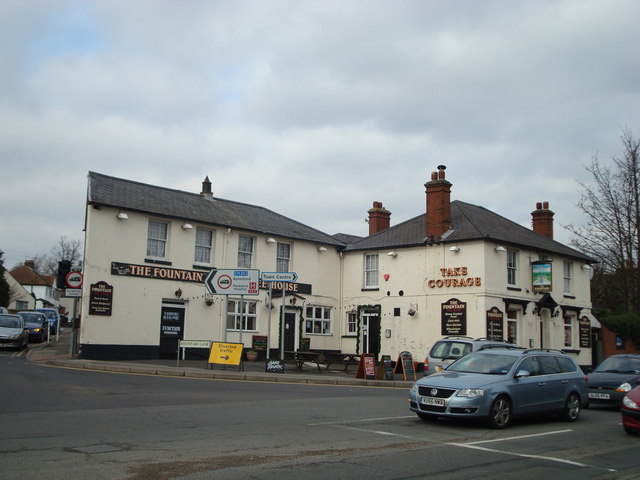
(385, 370)
(274, 366)
(367, 366)
(259, 343)
(405, 365)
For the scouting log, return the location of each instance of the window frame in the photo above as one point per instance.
(202, 247)
(318, 325)
(567, 276)
(282, 260)
(251, 315)
(513, 318)
(244, 254)
(568, 330)
(164, 242)
(371, 274)
(351, 326)
(512, 267)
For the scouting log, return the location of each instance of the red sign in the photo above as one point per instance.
(74, 279)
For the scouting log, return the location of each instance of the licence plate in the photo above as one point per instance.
(438, 402)
(600, 396)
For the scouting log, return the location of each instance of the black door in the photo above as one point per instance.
(289, 332)
(171, 330)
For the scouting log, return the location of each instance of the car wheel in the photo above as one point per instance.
(500, 412)
(631, 431)
(427, 417)
(571, 410)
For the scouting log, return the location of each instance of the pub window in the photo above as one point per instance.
(204, 242)
(318, 320)
(568, 331)
(512, 326)
(512, 267)
(22, 305)
(568, 268)
(157, 239)
(283, 257)
(371, 271)
(245, 251)
(241, 313)
(352, 323)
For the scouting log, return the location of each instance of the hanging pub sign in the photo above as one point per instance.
(100, 298)
(541, 276)
(454, 317)
(495, 323)
(584, 328)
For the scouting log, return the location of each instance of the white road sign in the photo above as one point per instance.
(233, 281)
(74, 280)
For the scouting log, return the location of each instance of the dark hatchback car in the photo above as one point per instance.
(37, 324)
(610, 381)
(631, 411)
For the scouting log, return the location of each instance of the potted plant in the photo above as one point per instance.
(252, 355)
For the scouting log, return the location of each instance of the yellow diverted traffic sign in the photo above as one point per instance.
(226, 353)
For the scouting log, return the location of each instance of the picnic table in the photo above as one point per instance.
(300, 357)
(346, 359)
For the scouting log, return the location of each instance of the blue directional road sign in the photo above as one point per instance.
(233, 281)
(286, 277)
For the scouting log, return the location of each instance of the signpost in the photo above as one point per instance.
(284, 278)
(233, 281)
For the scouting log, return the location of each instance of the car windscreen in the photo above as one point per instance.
(9, 322)
(31, 317)
(619, 365)
(49, 314)
(491, 364)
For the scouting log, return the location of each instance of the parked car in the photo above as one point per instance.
(37, 324)
(13, 333)
(446, 351)
(499, 384)
(53, 316)
(631, 411)
(3, 310)
(610, 381)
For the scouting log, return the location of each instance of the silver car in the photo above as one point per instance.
(448, 349)
(499, 384)
(13, 333)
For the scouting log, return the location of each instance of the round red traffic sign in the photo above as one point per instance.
(74, 279)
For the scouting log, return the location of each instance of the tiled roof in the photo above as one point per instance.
(25, 275)
(468, 222)
(134, 196)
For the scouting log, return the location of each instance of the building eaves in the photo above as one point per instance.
(153, 200)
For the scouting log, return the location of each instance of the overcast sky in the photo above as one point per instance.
(313, 109)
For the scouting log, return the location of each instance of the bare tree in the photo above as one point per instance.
(612, 231)
(4, 285)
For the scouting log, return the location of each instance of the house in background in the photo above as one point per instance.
(41, 287)
(19, 297)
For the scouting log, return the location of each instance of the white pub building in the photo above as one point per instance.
(454, 269)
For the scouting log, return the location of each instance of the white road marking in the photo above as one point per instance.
(364, 420)
(519, 437)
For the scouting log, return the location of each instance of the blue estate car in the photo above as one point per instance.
(499, 384)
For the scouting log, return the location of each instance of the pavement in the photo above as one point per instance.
(58, 353)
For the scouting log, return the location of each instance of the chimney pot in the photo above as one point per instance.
(542, 220)
(206, 188)
(379, 218)
(438, 216)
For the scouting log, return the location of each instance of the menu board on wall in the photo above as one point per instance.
(100, 298)
(454, 317)
(495, 323)
(584, 326)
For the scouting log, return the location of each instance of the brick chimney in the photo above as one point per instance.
(206, 189)
(30, 263)
(379, 218)
(438, 204)
(542, 220)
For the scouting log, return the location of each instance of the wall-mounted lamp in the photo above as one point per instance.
(455, 248)
(411, 312)
(178, 293)
(271, 240)
(500, 248)
(187, 226)
(586, 266)
(122, 216)
(208, 299)
(322, 249)
(292, 301)
(393, 254)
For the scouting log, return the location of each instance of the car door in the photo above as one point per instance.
(529, 392)
(556, 382)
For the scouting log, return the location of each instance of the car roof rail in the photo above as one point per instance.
(549, 350)
(489, 339)
(500, 347)
(457, 336)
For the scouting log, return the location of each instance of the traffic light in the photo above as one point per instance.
(64, 267)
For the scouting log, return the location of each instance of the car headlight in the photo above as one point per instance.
(470, 392)
(627, 402)
(625, 387)
(414, 389)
